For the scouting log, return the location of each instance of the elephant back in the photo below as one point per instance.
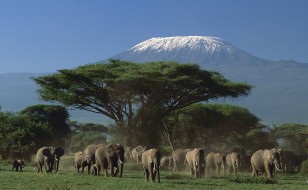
(44, 151)
(89, 153)
(199, 154)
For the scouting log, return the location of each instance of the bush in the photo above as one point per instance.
(304, 168)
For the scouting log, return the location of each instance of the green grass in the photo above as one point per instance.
(68, 179)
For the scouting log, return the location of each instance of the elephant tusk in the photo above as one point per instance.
(278, 168)
(120, 161)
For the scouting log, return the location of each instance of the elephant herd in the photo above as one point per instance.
(201, 162)
(108, 156)
(99, 158)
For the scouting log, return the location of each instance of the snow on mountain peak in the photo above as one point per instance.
(204, 44)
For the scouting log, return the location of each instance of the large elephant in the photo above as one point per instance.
(266, 161)
(137, 153)
(50, 157)
(109, 156)
(18, 165)
(80, 162)
(151, 164)
(215, 162)
(233, 160)
(89, 157)
(178, 157)
(166, 161)
(196, 162)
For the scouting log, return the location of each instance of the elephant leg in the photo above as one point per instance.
(267, 171)
(117, 169)
(98, 168)
(146, 174)
(112, 170)
(191, 171)
(154, 175)
(151, 170)
(89, 168)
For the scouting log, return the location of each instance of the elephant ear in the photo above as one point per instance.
(47, 151)
(59, 152)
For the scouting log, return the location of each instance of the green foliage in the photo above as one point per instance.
(85, 134)
(17, 137)
(294, 137)
(23, 133)
(54, 118)
(218, 125)
(304, 169)
(137, 96)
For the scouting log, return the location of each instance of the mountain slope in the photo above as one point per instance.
(280, 86)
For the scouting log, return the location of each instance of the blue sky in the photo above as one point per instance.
(48, 35)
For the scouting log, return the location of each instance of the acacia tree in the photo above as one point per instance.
(137, 96)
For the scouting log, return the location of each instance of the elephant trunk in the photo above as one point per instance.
(121, 169)
(199, 172)
(158, 175)
(57, 164)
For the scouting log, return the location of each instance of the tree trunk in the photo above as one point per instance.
(167, 133)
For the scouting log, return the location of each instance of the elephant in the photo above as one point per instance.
(110, 155)
(18, 165)
(50, 157)
(178, 157)
(233, 160)
(137, 153)
(57, 153)
(89, 157)
(215, 162)
(266, 161)
(196, 162)
(44, 157)
(151, 164)
(80, 162)
(166, 161)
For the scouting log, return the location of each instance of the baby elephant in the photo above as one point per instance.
(18, 164)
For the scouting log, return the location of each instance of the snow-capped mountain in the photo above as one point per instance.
(280, 86)
(186, 49)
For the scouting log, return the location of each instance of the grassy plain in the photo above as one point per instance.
(68, 179)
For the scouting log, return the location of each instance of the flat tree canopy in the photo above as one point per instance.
(134, 94)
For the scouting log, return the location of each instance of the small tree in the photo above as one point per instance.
(54, 118)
